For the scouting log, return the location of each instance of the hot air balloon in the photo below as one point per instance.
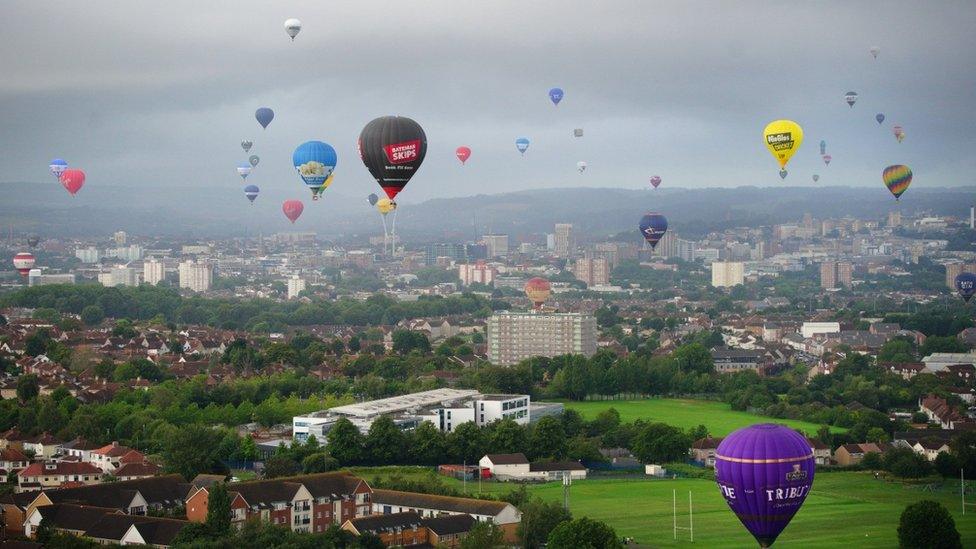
(826, 159)
(522, 144)
(879, 117)
(581, 166)
(253, 160)
(783, 138)
(556, 95)
(315, 161)
(764, 472)
(652, 227)
(537, 290)
(293, 27)
(851, 98)
(897, 178)
(317, 191)
(292, 209)
(23, 262)
(816, 178)
(385, 205)
(875, 50)
(655, 181)
(244, 170)
(966, 285)
(899, 133)
(33, 240)
(463, 154)
(251, 192)
(264, 116)
(72, 180)
(57, 167)
(578, 132)
(246, 145)
(783, 174)
(823, 147)
(372, 199)
(393, 148)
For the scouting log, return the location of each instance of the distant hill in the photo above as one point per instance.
(221, 212)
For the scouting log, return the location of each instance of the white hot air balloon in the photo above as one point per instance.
(581, 166)
(293, 27)
(875, 50)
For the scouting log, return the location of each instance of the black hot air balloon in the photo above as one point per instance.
(392, 148)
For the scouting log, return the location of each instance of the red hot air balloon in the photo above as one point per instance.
(293, 209)
(72, 180)
(463, 154)
(392, 148)
(537, 290)
(656, 180)
(23, 262)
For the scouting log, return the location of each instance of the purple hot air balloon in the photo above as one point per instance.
(765, 472)
(652, 227)
(656, 180)
(966, 285)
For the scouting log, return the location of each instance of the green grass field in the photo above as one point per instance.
(717, 416)
(844, 509)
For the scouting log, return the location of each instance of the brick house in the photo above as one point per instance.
(56, 474)
(504, 515)
(409, 529)
(703, 450)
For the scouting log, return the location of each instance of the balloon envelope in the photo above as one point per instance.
(823, 147)
(264, 116)
(292, 209)
(463, 153)
(652, 227)
(578, 132)
(827, 158)
(393, 148)
(244, 169)
(783, 174)
(851, 98)
(522, 144)
(783, 138)
(899, 133)
(251, 192)
(537, 290)
(315, 162)
(23, 263)
(33, 240)
(57, 166)
(875, 50)
(816, 178)
(293, 27)
(372, 199)
(765, 472)
(581, 166)
(556, 95)
(253, 160)
(655, 181)
(246, 145)
(72, 180)
(966, 285)
(879, 117)
(897, 178)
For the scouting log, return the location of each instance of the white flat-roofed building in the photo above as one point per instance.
(726, 274)
(36, 277)
(153, 272)
(195, 276)
(937, 362)
(810, 329)
(445, 408)
(516, 336)
(88, 255)
(296, 285)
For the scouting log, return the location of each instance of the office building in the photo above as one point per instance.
(195, 276)
(516, 336)
(153, 272)
(477, 273)
(119, 276)
(592, 271)
(88, 255)
(445, 408)
(36, 277)
(564, 243)
(452, 251)
(834, 274)
(296, 285)
(955, 269)
(726, 274)
(894, 219)
(496, 245)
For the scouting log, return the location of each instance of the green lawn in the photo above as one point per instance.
(844, 509)
(717, 416)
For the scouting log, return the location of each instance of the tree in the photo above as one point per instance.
(319, 462)
(548, 438)
(218, 510)
(191, 450)
(92, 315)
(507, 437)
(428, 445)
(345, 442)
(36, 343)
(466, 443)
(484, 535)
(538, 520)
(694, 358)
(405, 341)
(947, 465)
(370, 541)
(583, 533)
(877, 434)
(928, 525)
(249, 449)
(660, 443)
(279, 466)
(384, 442)
(872, 461)
(28, 387)
(905, 463)
(45, 530)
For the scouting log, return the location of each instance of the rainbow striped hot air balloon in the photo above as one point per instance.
(897, 178)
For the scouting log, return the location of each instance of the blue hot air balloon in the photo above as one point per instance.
(57, 166)
(251, 192)
(823, 147)
(244, 170)
(966, 285)
(652, 227)
(522, 143)
(314, 161)
(264, 116)
(556, 95)
(879, 117)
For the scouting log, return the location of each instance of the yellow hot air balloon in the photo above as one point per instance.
(385, 205)
(783, 138)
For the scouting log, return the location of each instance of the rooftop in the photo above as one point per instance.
(402, 403)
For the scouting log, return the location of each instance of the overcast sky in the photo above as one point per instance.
(161, 93)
